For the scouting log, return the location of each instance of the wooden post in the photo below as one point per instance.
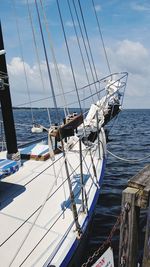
(129, 229)
(134, 197)
(146, 256)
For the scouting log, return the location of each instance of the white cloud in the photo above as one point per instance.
(20, 86)
(134, 58)
(140, 7)
(125, 55)
(23, 91)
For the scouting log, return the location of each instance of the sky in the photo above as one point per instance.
(125, 30)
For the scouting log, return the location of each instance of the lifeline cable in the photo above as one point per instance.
(128, 160)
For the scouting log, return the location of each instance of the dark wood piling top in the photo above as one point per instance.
(141, 181)
(135, 197)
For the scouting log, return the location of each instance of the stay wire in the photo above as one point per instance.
(68, 92)
(85, 45)
(47, 231)
(121, 103)
(50, 78)
(33, 224)
(79, 89)
(37, 55)
(47, 62)
(66, 111)
(68, 51)
(80, 49)
(101, 36)
(87, 37)
(22, 56)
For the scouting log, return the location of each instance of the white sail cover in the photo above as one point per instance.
(101, 106)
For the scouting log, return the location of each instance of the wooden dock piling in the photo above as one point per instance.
(146, 256)
(135, 197)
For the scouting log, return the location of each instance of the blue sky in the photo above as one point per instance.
(125, 28)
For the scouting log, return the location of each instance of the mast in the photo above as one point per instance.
(6, 105)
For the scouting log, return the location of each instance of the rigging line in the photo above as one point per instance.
(85, 98)
(37, 55)
(101, 36)
(70, 60)
(84, 43)
(56, 249)
(87, 37)
(52, 227)
(84, 159)
(43, 171)
(66, 111)
(31, 215)
(114, 121)
(35, 177)
(88, 42)
(117, 116)
(34, 38)
(47, 198)
(128, 160)
(47, 63)
(77, 174)
(99, 91)
(75, 171)
(125, 85)
(33, 224)
(104, 79)
(81, 88)
(22, 56)
(69, 104)
(53, 254)
(71, 194)
(49, 231)
(39, 206)
(63, 184)
(121, 104)
(68, 92)
(77, 37)
(89, 172)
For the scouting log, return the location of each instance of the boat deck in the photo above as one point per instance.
(35, 211)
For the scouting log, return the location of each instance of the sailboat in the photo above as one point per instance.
(49, 189)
